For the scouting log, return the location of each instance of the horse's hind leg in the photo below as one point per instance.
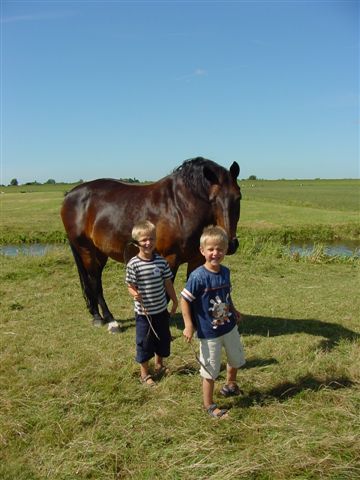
(97, 287)
(90, 277)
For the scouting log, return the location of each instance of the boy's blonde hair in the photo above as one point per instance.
(214, 232)
(143, 228)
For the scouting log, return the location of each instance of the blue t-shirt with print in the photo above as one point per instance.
(209, 296)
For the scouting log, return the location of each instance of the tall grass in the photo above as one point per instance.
(72, 406)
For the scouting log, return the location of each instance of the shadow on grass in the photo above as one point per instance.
(287, 390)
(175, 322)
(332, 333)
(274, 326)
(191, 368)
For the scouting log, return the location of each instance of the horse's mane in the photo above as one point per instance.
(191, 172)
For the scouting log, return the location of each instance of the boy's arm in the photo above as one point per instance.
(134, 292)
(186, 313)
(236, 312)
(169, 287)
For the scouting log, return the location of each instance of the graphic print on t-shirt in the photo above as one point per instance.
(220, 311)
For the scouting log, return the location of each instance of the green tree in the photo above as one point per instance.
(14, 182)
(51, 181)
(252, 177)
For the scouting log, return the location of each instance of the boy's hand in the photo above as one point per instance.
(188, 333)
(134, 293)
(238, 316)
(174, 307)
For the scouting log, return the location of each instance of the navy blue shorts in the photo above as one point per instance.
(146, 342)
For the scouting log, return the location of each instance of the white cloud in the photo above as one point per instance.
(198, 72)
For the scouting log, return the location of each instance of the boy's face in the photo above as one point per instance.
(146, 243)
(214, 253)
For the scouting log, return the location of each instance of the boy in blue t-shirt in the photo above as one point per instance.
(207, 308)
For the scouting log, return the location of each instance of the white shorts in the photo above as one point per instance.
(210, 353)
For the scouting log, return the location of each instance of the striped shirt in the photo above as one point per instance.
(148, 277)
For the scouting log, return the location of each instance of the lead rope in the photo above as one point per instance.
(199, 361)
(148, 318)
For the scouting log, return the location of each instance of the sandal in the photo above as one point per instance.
(230, 390)
(147, 381)
(162, 371)
(222, 413)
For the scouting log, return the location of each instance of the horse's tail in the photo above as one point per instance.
(83, 275)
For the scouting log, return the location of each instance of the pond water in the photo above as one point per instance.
(344, 249)
(34, 249)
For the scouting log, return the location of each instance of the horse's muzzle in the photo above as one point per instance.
(233, 246)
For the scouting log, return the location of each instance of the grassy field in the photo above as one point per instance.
(283, 210)
(72, 406)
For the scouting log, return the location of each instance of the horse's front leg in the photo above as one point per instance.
(173, 264)
(194, 263)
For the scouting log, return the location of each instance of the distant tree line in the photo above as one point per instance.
(14, 182)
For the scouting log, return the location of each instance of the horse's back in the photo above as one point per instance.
(102, 212)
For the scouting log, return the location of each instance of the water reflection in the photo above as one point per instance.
(34, 249)
(342, 249)
(334, 249)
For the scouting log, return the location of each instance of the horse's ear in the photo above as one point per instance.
(234, 170)
(210, 176)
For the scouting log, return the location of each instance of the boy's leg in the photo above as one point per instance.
(160, 368)
(208, 392)
(231, 373)
(144, 374)
(158, 362)
(210, 356)
(208, 400)
(235, 356)
(162, 345)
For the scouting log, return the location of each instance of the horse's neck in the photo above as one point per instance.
(191, 204)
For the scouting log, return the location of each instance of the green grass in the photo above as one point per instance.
(340, 195)
(31, 217)
(283, 210)
(72, 406)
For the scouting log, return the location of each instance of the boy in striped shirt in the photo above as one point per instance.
(148, 277)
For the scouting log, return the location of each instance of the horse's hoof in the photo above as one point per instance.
(114, 327)
(97, 322)
(109, 319)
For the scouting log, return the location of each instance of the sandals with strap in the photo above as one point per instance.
(147, 381)
(162, 372)
(222, 413)
(231, 390)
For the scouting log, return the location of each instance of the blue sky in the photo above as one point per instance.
(123, 89)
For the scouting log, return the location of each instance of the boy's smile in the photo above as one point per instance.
(146, 246)
(214, 253)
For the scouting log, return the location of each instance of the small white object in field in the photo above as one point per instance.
(113, 327)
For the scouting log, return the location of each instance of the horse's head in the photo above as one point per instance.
(220, 192)
(225, 196)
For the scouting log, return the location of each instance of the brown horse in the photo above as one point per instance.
(99, 215)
